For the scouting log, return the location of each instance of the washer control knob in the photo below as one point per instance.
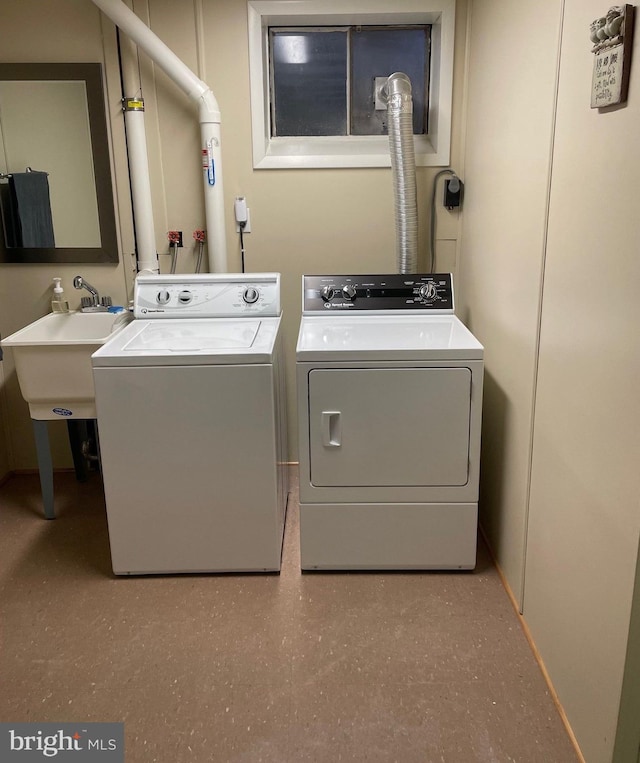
(349, 292)
(251, 295)
(428, 291)
(185, 297)
(163, 297)
(327, 293)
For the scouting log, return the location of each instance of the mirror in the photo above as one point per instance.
(56, 195)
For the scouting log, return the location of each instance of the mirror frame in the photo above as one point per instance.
(91, 75)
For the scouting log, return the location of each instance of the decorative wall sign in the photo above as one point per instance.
(612, 36)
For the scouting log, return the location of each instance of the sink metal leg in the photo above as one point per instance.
(45, 466)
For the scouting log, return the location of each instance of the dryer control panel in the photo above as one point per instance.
(432, 292)
(207, 295)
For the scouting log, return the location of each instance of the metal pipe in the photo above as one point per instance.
(397, 94)
(80, 283)
(209, 116)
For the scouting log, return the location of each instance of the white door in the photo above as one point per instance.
(389, 426)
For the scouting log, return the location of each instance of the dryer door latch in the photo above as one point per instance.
(331, 428)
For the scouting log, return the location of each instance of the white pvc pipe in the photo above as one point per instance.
(139, 166)
(141, 192)
(213, 189)
(123, 17)
(209, 115)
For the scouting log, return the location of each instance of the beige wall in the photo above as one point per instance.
(509, 133)
(584, 519)
(549, 273)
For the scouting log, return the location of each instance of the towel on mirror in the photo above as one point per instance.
(32, 204)
(10, 221)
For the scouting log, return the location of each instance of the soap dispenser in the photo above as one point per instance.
(59, 304)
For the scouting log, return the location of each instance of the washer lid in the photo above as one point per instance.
(191, 342)
(194, 336)
(386, 338)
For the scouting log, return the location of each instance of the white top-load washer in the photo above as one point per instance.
(191, 423)
(389, 386)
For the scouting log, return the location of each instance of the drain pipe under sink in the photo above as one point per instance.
(209, 118)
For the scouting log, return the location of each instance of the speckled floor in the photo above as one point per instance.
(385, 667)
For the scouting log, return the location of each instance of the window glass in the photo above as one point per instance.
(379, 52)
(309, 87)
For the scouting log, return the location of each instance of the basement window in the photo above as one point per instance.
(324, 80)
(313, 70)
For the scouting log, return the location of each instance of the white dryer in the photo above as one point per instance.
(389, 387)
(191, 422)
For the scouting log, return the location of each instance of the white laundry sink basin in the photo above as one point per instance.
(53, 361)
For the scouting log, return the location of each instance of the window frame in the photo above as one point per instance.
(271, 152)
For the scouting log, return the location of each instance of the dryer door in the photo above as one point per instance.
(389, 426)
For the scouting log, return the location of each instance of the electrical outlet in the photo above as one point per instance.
(247, 227)
(453, 190)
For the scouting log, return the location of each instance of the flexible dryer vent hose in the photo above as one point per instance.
(397, 93)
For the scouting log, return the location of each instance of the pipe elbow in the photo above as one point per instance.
(397, 93)
(398, 83)
(208, 107)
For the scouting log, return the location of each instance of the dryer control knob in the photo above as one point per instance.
(428, 291)
(163, 297)
(185, 297)
(327, 293)
(349, 292)
(251, 295)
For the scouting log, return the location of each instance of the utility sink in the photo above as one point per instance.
(53, 361)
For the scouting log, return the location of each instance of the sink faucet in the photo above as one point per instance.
(92, 304)
(80, 283)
